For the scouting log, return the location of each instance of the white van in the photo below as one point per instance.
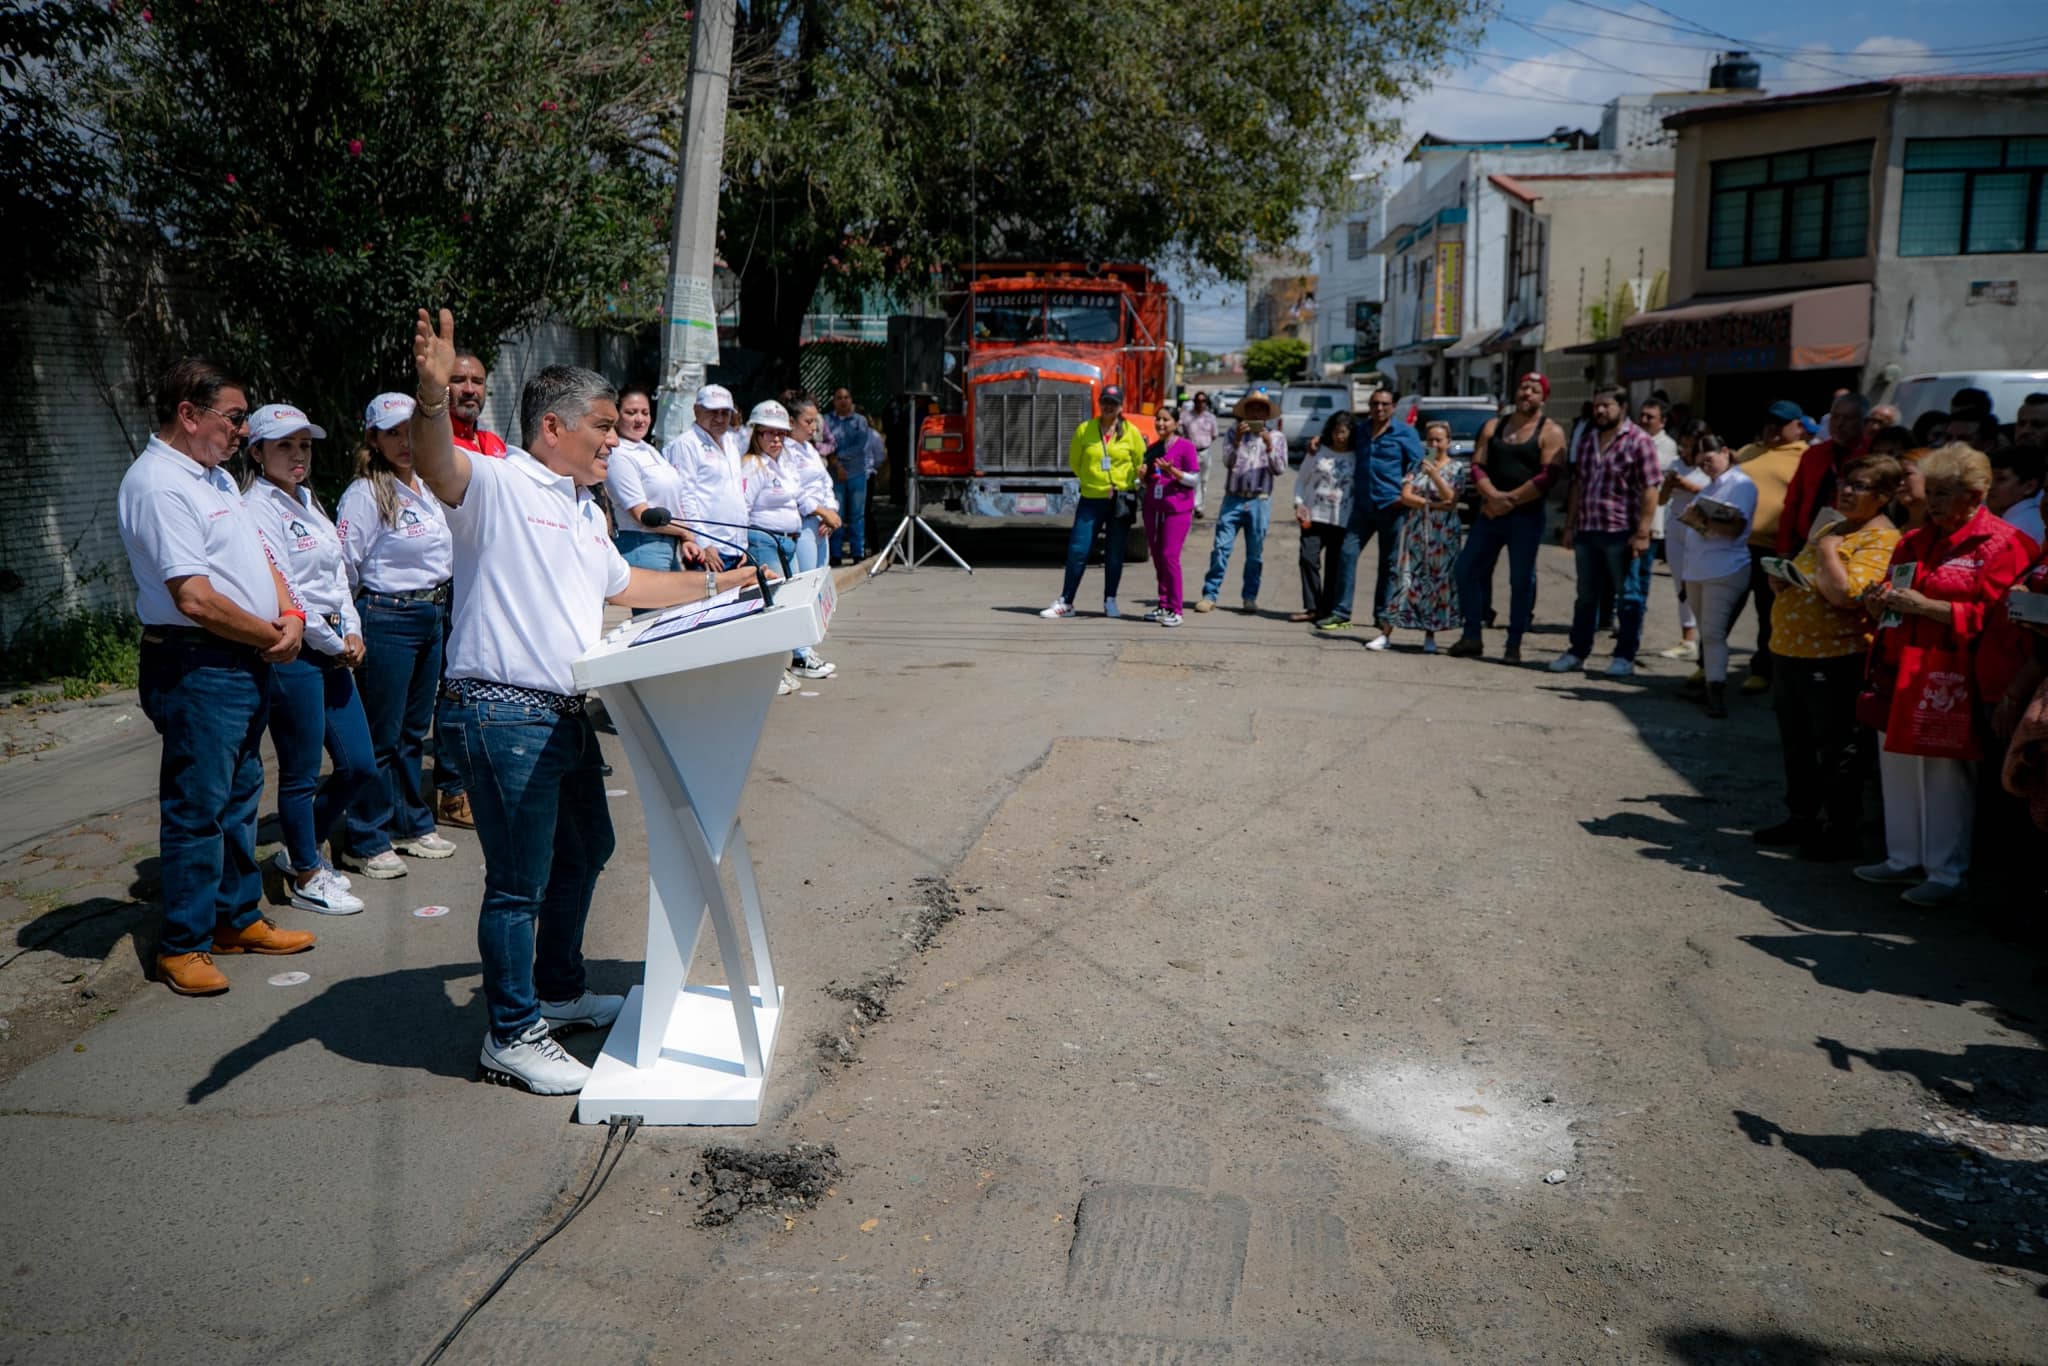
(1304, 408)
(1917, 394)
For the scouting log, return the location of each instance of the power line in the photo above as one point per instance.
(1688, 26)
(1534, 99)
(1575, 66)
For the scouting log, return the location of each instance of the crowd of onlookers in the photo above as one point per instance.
(1896, 575)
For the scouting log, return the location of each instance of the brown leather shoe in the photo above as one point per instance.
(454, 810)
(261, 936)
(190, 974)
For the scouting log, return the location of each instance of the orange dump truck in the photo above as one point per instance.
(1028, 347)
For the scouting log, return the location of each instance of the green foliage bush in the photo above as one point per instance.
(85, 651)
(1275, 358)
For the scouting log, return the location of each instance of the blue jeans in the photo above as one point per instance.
(1251, 515)
(646, 550)
(1605, 566)
(401, 673)
(1366, 523)
(1093, 516)
(1521, 533)
(313, 705)
(772, 549)
(209, 702)
(852, 493)
(810, 543)
(537, 792)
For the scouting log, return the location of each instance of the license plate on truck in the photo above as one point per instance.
(1030, 504)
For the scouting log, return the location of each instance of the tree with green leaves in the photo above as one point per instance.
(1275, 358)
(312, 172)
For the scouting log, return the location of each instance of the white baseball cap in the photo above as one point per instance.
(712, 397)
(274, 420)
(769, 415)
(388, 410)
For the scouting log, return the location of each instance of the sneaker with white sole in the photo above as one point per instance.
(1565, 663)
(282, 862)
(1621, 668)
(813, 666)
(323, 894)
(1155, 614)
(1379, 642)
(588, 1011)
(1060, 608)
(385, 865)
(429, 845)
(1169, 618)
(1687, 650)
(788, 684)
(533, 1062)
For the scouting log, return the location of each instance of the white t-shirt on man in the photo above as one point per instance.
(177, 519)
(534, 563)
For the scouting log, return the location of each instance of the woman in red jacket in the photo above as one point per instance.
(1962, 563)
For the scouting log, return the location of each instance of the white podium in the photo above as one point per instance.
(690, 710)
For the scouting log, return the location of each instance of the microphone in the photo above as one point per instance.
(654, 518)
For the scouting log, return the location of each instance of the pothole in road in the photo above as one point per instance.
(1492, 1127)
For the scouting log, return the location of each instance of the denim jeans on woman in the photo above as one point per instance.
(313, 706)
(536, 788)
(1093, 517)
(852, 536)
(401, 673)
(209, 702)
(1606, 565)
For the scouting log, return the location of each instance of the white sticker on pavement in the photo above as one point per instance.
(290, 979)
(430, 912)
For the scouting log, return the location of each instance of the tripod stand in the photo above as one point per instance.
(902, 544)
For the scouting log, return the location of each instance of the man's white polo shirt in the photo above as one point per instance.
(179, 518)
(533, 567)
(711, 484)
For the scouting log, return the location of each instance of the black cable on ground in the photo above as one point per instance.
(599, 1174)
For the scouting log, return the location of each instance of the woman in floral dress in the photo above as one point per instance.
(1425, 596)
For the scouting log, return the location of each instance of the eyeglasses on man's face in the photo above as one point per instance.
(236, 418)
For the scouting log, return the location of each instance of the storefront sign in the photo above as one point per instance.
(1731, 342)
(2005, 292)
(1450, 288)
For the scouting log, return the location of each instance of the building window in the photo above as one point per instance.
(1965, 196)
(1357, 240)
(1812, 205)
(1525, 265)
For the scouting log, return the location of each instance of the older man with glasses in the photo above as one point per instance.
(216, 615)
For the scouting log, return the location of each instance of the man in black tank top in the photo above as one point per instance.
(1513, 463)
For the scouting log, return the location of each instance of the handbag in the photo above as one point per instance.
(1874, 699)
(1930, 713)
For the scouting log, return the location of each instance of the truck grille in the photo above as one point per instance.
(1023, 425)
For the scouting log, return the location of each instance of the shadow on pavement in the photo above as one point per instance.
(90, 930)
(1725, 1347)
(402, 1020)
(1972, 1202)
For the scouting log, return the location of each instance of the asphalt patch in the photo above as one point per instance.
(734, 1180)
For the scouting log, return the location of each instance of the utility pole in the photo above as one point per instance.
(689, 337)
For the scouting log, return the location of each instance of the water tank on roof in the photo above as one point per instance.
(1735, 71)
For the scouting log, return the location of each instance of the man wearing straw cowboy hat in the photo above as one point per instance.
(1257, 454)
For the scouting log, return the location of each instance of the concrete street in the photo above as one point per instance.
(1303, 1004)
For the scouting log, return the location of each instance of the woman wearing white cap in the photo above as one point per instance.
(638, 479)
(815, 497)
(400, 557)
(772, 487)
(313, 701)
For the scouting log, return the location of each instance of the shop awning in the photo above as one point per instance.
(1467, 346)
(1804, 329)
(1528, 338)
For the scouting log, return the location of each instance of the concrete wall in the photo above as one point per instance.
(1614, 231)
(1922, 318)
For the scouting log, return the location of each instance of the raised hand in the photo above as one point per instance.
(433, 352)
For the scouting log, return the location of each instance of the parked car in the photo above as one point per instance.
(1917, 394)
(1223, 402)
(1303, 410)
(1465, 413)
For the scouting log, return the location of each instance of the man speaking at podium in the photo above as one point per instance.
(534, 567)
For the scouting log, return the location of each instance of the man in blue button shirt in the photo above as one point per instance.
(1387, 453)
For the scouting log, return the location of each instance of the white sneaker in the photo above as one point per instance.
(385, 865)
(1565, 663)
(788, 684)
(325, 895)
(1621, 668)
(1155, 614)
(1380, 642)
(1059, 608)
(429, 845)
(1687, 650)
(588, 1011)
(813, 666)
(282, 862)
(533, 1061)
(1169, 618)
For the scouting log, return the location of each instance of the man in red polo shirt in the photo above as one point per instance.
(466, 391)
(1813, 484)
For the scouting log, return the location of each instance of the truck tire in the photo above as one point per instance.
(1136, 549)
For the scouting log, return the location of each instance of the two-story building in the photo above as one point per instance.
(1350, 287)
(1845, 238)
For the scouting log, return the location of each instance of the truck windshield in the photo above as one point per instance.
(1050, 316)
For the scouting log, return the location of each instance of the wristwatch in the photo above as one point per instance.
(710, 582)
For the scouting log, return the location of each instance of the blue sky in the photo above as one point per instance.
(1543, 63)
